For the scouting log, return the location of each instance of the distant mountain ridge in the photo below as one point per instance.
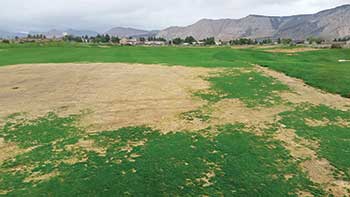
(130, 32)
(61, 33)
(56, 33)
(10, 35)
(329, 24)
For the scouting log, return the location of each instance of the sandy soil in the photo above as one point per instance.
(117, 95)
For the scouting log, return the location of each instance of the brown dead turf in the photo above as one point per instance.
(291, 51)
(8, 150)
(118, 95)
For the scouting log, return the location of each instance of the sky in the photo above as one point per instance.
(101, 15)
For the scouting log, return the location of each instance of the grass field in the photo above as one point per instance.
(214, 125)
(320, 69)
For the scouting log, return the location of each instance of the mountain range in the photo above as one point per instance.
(131, 32)
(327, 24)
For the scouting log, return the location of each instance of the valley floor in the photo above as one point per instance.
(107, 129)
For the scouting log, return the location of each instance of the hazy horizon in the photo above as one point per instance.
(39, 15)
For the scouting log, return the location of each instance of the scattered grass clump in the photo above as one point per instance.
(140, 161)
(253, 88)
(330, 127)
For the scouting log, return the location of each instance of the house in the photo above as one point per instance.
(299, 41)
(155, 43)
(348, 44)
(200, 43)
(218, 43)
(129, 41)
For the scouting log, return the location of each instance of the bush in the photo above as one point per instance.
(6, 41)
(336, 46)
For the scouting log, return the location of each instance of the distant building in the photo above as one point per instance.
(200, 43)
(299, 41)
(155, 43)
(129, 41)
(218, 43)
(347, 44)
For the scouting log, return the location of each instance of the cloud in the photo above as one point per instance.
(19, 15)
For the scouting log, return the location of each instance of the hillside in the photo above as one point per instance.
(130, 32)
(332, 23)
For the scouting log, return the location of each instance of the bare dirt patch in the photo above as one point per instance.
(302, 93)
(292, 50)
(117, 94)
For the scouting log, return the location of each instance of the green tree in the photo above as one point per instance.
(190, 40)
(115, 39)
(286, 41)
(314, 40)
(177, 41)
(209, 41)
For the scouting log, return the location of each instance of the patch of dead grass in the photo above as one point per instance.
(326, 122)
(117, 94)
(235, 111)
(37, 177)
(302, 93)
(88, 145)
(292, 50)
(8, 150)
(318, 169)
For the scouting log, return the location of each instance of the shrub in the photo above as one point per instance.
(336, 46)
(6, 41)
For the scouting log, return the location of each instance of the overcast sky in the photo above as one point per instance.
(100, 15)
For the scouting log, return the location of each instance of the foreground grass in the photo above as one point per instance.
(139, 161)
(317, 68)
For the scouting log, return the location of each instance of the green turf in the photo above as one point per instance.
(173, 164)
(333, 134)
(251, 87)
(150, 55)
(317, 68)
